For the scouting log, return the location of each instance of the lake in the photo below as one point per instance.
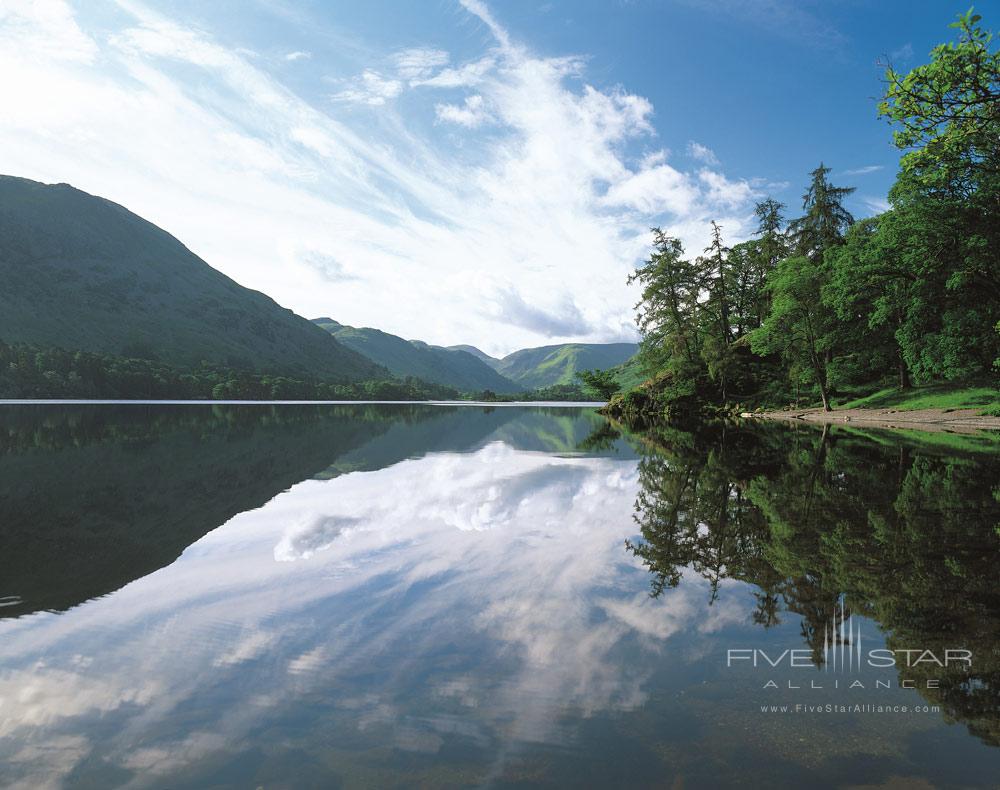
(464, 596)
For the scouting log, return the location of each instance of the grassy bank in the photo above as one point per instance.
(931, 396)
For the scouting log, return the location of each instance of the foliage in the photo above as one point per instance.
(825, 220)
(33, 372)
(603, 382)
(946, 110)
(827, 304)
(799, 325)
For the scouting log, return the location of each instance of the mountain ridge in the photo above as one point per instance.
(83, 273)
(545, 366)
(435, 364)
(525, 369)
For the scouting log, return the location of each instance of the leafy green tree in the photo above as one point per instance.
(825, 220)
(749, 264)
(946, 201)
(946, 110)
(799, 324)
(668, 310)
(873, 296)
(603, 382)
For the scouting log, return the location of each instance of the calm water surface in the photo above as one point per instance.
(433, 596)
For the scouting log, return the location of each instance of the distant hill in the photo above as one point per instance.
(82, 273)
(493, 362)
(454, 368)
(548, 365)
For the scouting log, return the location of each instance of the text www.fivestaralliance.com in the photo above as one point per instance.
(859, 708)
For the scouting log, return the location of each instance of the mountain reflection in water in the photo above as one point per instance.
(379, 596)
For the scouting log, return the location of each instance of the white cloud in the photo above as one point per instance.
(44, 31)
(298, 55)
(465, 76)
(876, 205)
(724, 192)
(863, 171)
(481, 10)
(702, 153)
(370, 87)
(370, 218)
(471, 113)
(653, 190)
(419, 62)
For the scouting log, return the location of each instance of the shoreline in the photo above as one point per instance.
(941, 420)
(140, 402)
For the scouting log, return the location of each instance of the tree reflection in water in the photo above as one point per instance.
(906, 531)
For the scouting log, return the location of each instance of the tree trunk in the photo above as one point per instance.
(904, 375)
(823, 395)
(819, 370)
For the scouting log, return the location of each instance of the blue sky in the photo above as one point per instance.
(453, 170)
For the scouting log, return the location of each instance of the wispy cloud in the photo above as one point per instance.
(702, 153)
(467, 75)
(370, 87)
(298, 55)
(876, 205)
(361, 207)
(863, 171)
(471, 113)
(903, 54)
(419, 62)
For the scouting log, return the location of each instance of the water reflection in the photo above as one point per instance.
(424, 596)
(94, 497)
(905, 533)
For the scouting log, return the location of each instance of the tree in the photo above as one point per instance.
(668, 309)
(603, 382)
(799, 324)
(873, 296)
(825, 219)
(947, 110)
(716, 348)
(946, 202)
(748, 265)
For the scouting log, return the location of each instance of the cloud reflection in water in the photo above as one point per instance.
(478, 597)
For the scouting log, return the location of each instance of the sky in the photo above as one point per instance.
(455, 171)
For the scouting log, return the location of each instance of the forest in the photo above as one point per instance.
(28, 371)
(820, 305)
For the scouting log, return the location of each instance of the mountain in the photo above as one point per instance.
(454, 368)
(548, 365)
(83, 273)
(493, 362)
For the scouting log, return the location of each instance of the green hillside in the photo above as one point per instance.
(548, 365)
(493, 362)
(454, 368)
(83, 273)
(629, 374)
